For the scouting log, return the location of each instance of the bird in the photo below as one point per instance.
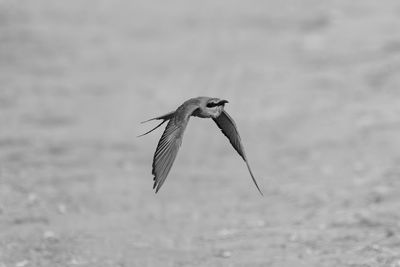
(171, 139)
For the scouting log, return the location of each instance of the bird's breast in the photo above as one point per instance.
(201, 113)
(208, 112)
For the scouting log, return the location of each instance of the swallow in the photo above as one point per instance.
(171, 139)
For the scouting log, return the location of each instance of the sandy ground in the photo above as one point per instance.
(313, 85)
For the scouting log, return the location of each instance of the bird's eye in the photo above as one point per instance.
(211, 105)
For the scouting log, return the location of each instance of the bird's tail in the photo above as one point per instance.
(165, 118)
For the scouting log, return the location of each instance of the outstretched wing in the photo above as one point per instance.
(228, 128)
(169, 144)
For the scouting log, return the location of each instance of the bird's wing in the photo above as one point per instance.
(169, 144)
(228, 128)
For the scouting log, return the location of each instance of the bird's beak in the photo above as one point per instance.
(223, 102)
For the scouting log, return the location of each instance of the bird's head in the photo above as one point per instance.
(214, 106)
(216, 102)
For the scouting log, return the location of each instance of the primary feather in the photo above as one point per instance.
(228, 128)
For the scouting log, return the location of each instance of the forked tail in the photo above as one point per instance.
(165, 118)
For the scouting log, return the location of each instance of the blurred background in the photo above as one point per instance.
(313, 87)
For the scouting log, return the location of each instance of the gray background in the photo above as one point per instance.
(313, 87)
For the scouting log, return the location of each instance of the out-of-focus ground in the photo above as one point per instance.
(314, 87)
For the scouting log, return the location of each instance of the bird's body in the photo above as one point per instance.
(171, 139)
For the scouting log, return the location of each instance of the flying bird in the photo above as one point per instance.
(171, 139)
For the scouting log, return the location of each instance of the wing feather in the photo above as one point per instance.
(169, 144)
(166, 152)
(229, 129)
